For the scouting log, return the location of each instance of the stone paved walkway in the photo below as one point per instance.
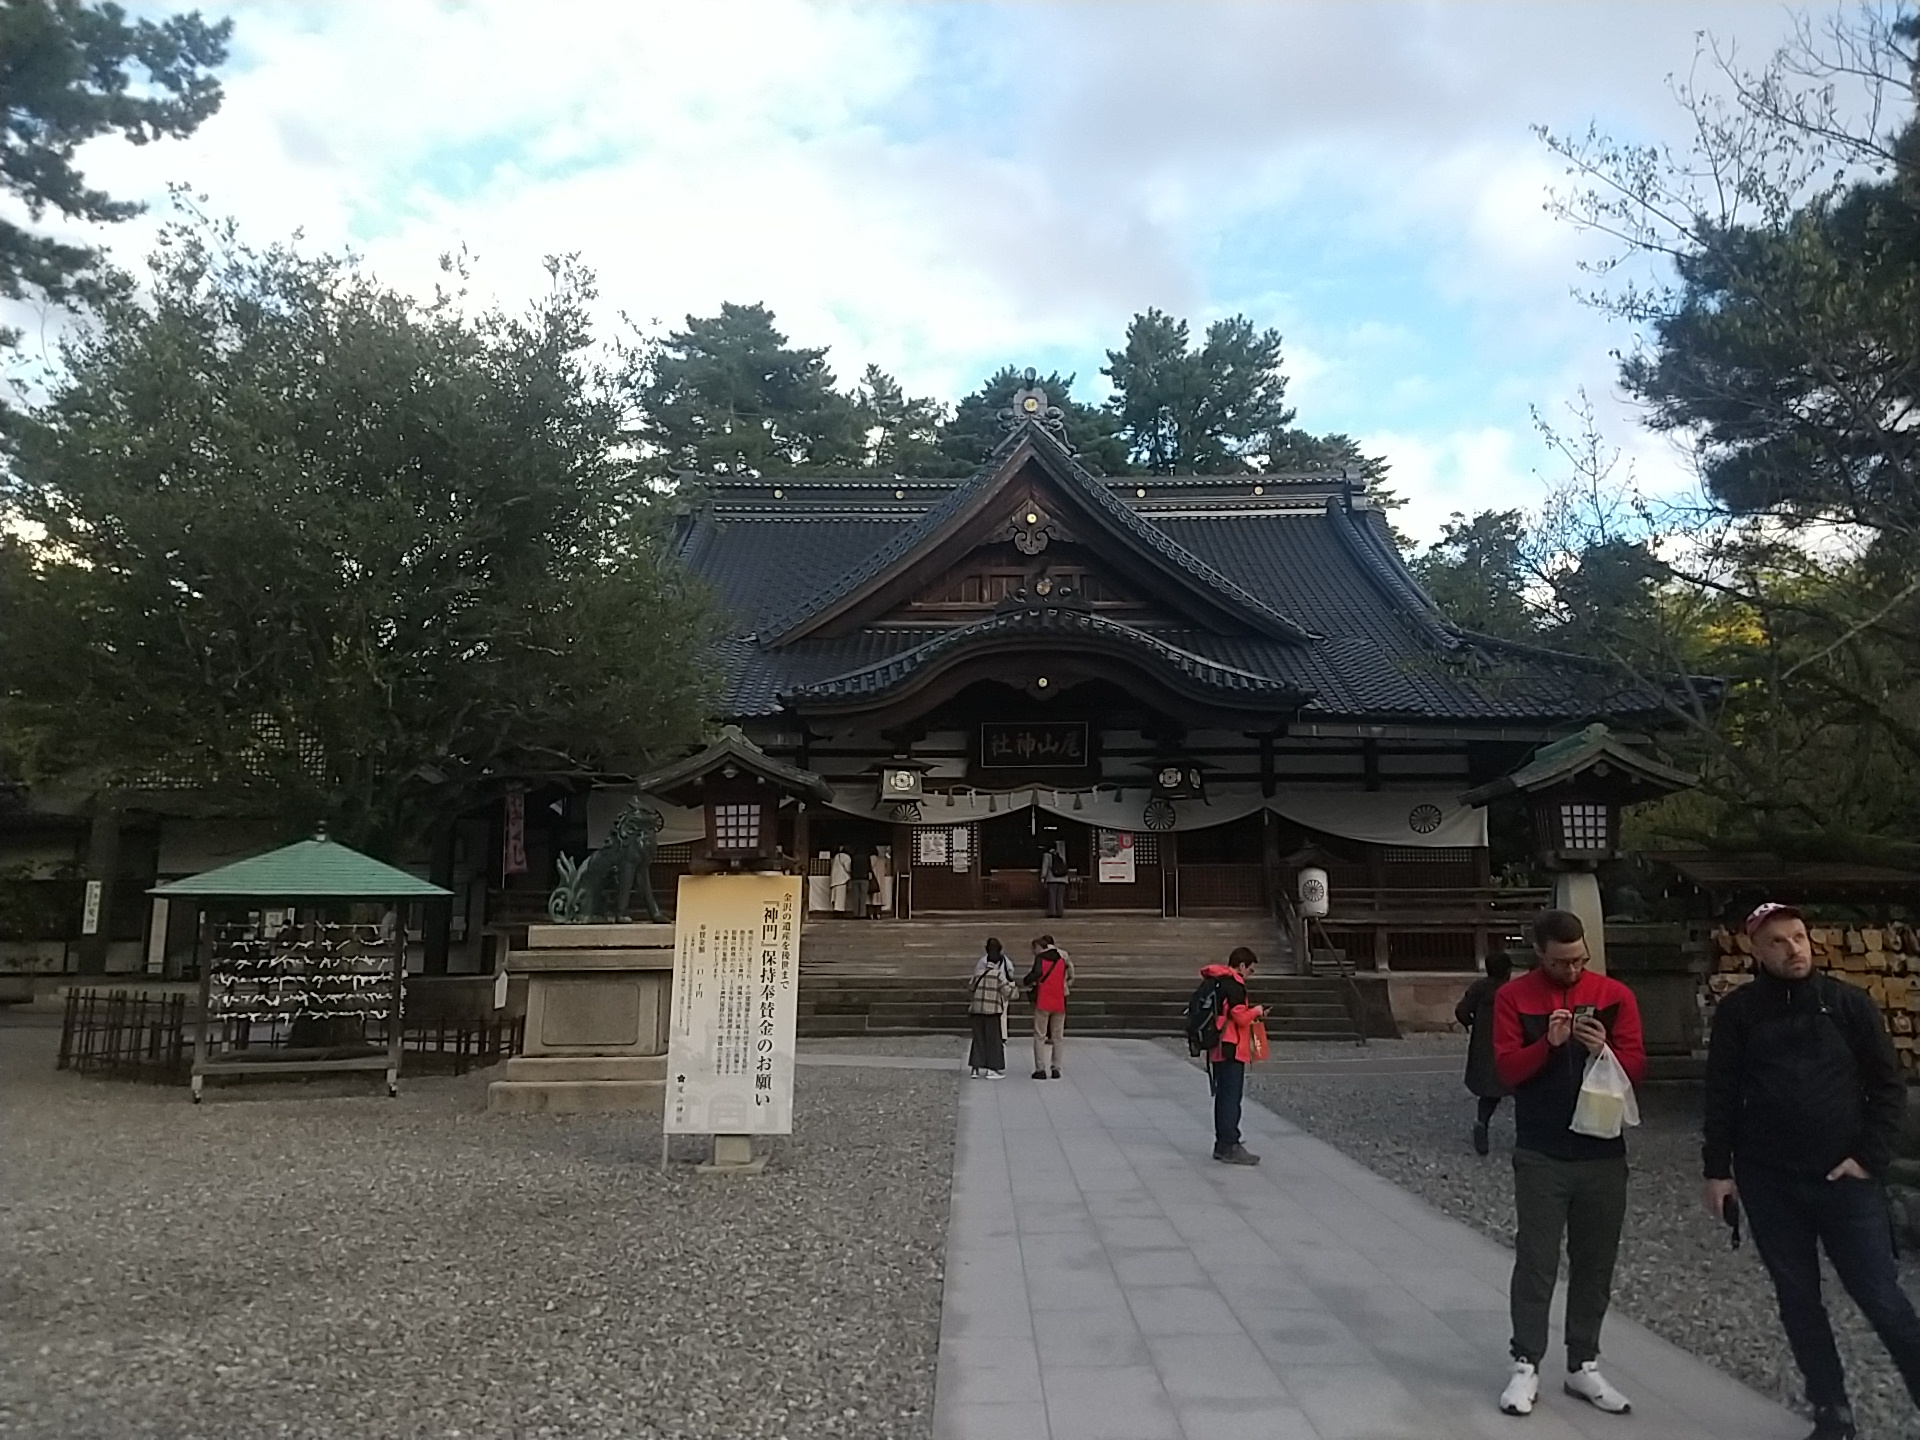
(1107, 1280)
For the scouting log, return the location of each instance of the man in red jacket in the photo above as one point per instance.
(1547, 1024)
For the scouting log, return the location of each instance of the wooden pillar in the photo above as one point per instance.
(1170, 873)
(202, 1032)
(903, 872)
(1271, 864)
(436, 918)
(397, 978)
(803, 845)
(103, 860)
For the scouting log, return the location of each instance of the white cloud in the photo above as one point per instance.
(1460, 471)
(941, 190)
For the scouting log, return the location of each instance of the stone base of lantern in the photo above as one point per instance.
(598, 1003)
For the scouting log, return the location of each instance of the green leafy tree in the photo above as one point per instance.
(321, 550)
(1290, 450)
(67, 76)
(1092, 431)
(1786, 344)
(902, 432)
(1478, 573)
(728, 396)
(1197, 411)
(1777, 302)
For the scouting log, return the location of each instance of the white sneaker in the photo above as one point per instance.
(996, 1074)
(1588, 1384)
(1522, 1389)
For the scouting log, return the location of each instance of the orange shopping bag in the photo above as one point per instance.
(1256, 1041)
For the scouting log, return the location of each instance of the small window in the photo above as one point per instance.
(736, 827)
(1583, 827)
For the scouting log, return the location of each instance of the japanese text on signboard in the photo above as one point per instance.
(1009, 746)
(730, 1046)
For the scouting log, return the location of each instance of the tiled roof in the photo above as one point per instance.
(880, 676)
(732, 750)
(1146, 536)
(1380, 649)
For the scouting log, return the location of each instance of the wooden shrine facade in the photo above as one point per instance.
(1179, 682)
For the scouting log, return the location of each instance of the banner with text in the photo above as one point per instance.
(736, 975)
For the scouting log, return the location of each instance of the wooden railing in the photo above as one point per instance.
(1440, 909)
(1428, 929)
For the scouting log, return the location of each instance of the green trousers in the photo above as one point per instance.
(1585, 1201)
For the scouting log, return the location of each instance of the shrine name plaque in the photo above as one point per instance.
(1053, 745)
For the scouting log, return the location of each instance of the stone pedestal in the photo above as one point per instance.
(598, 1005)
(733, 1154)
(1654, 961)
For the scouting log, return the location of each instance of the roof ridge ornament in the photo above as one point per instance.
(1030, 403)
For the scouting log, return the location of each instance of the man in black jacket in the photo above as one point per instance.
(1803, 1106)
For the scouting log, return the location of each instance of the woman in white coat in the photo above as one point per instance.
(993, 988)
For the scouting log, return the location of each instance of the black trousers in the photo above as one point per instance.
(1056, 899)
(1229, 1081)
(1484, 1110)
(1585, 1201)
(1791, 1218)
(989, 1050)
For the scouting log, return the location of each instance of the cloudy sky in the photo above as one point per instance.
(942, 190)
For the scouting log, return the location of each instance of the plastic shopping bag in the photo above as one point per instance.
(1606, 1104)
(1257, 1048)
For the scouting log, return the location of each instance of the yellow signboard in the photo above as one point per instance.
(736, 976)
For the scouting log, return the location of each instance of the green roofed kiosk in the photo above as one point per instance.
(286, 953)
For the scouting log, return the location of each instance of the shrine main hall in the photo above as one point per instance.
(1185, 686)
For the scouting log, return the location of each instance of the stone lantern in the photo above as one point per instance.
(1575, 789)
(599, 996)
(741, 789)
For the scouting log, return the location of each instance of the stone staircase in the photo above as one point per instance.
(1133, 973)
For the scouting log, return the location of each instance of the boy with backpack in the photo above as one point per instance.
(1218, 1023)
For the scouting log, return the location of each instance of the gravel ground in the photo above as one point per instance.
(298, 1260)
(1676, 1275)
(943, 1047)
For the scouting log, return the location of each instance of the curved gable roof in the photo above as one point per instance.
(1184, 668)
(1144, 542)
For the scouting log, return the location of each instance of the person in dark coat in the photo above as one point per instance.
(1803, 1109)
(1475, 1012)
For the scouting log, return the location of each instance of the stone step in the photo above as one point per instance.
(1169, 1013)
(827, 1026)
(1174, 991)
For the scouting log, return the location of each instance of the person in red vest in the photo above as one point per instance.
(1048, 982)
(1227, 1061)
(1546, 1025)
